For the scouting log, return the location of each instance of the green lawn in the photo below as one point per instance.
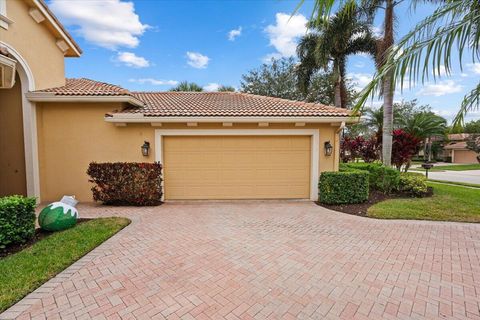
(449, 203)
(453, 167)
(24, 271)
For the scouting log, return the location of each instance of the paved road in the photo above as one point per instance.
(266, 260)
(468, 176)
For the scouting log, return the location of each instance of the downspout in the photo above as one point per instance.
(336, 146)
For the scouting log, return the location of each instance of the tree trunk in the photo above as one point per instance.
(338, 85)
(387, 139)
(387, 86)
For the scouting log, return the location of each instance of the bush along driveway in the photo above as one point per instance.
(268, 260)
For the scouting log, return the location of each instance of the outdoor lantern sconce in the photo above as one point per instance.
(145, 148)
(328, 148)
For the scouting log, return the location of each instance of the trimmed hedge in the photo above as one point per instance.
(343, 187)
(384, 179)
(17, 220)
(126, 183)
(414, 184)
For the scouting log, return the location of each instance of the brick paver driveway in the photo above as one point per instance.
(275, 260)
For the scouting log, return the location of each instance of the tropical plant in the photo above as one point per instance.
(350, 148)
(353, 148)
(186, 86)
(370, 151)
(275, 79)
(328, 46)
(472, 127)
(279, 79)
(322, 10)
(226, 89)
(425, 125)
(427, 49)
(404, 147)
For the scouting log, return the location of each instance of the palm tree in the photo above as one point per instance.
(187, 86)
(425, 125)
(383, 45)
(427, 49)
(368, 8)
(329, 46)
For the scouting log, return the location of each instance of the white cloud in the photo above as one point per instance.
(359, 64)
(130, 59)
(155, 82)
(211, 87)
(441, 71)
(377, 31)
(474, 67)
(360, 80)
(106, 23)
(285, 32)
(440, 88)
(232, 34)
(197, 60)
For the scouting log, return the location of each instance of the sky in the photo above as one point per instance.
(148, 45)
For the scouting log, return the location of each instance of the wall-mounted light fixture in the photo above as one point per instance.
(145, 148)
(328, 148)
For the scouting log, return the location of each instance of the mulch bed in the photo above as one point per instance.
(360, 209)
(39, 235)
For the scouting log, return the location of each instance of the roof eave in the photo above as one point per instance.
(52, 97)
(74, 48)
(140, 118)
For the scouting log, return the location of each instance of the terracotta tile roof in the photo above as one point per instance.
(456, 145)
(87, 87)
(198, 104)
(226, 104)
(458, 136)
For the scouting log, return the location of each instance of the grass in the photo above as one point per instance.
(449, 203)
(24, 271)
(465, 184)
(454, 167)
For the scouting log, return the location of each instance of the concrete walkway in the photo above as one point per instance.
(266, 260)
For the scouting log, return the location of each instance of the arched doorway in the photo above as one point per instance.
(12, 153)
(20, 133)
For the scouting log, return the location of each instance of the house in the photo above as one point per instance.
(457, 150)
(212, 145)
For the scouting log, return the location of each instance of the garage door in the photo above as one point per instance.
(465, 156)
(236, 167)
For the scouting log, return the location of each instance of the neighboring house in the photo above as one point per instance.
(212, 145)
(457, 150)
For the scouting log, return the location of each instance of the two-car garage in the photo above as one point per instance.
(241, 165)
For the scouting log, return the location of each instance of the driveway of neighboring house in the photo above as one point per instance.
(266, 260)
(468, 176)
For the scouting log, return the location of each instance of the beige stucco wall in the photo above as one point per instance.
(73, 135)
(36, 44)
(12, 153)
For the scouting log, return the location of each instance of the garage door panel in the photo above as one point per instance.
(237, 167)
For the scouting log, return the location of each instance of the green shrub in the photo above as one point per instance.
(343, 187)
(126, 183)
(381, 178)
(414, 184)
(17, 220)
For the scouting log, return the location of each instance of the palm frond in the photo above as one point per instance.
(427, 50)
(470, 102)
